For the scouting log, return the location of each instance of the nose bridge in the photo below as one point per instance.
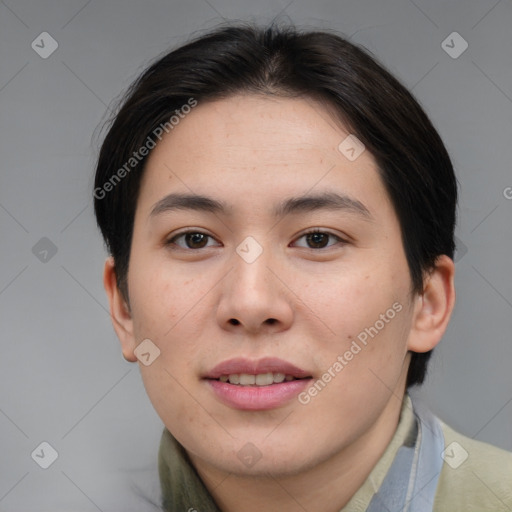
(252, 296)
(251, 260)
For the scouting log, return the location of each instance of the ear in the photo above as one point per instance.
(433, 307)
(119, 311)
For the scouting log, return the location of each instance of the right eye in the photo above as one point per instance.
(190, 240)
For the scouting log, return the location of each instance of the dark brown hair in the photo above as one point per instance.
(285, 61)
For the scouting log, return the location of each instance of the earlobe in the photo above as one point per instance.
(433, 307)
(119, 311)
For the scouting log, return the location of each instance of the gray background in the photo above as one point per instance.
(63, 379)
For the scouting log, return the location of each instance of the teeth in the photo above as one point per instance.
(279, 377)
(262, 379)
(247, 380)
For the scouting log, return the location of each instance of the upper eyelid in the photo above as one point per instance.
(317, 230)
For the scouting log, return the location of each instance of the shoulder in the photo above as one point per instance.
(476, 476)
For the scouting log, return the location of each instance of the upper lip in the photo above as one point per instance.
(254, 367)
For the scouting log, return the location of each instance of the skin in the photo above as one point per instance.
(300, 303)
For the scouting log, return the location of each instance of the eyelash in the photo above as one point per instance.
(172, 240)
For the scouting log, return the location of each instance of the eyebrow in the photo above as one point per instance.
(292, 205)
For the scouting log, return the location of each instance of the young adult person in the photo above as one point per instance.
(280, 214)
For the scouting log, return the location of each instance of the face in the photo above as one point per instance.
(292, 268)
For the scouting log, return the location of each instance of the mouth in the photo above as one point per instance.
(256, 385)
(260, 372)
(261, 379)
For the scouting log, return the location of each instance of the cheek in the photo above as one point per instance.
(164, 297)
(350, 301)
(174, 310)
(365, 312)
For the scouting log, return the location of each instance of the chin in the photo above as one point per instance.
(259, 459)
(268, 464)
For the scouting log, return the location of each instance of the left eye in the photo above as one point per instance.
(319, 239)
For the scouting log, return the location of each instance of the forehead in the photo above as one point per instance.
(256, 128)
(266, 146)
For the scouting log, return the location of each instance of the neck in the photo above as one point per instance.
(328, 485)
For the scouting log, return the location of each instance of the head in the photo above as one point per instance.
(223, 158)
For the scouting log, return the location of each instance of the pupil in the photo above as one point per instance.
(317, 239)
(195, 239)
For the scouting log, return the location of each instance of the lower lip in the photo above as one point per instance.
(257, 398)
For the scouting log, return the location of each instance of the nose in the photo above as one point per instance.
(254, 297)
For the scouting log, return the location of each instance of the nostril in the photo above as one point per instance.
(234, 321)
